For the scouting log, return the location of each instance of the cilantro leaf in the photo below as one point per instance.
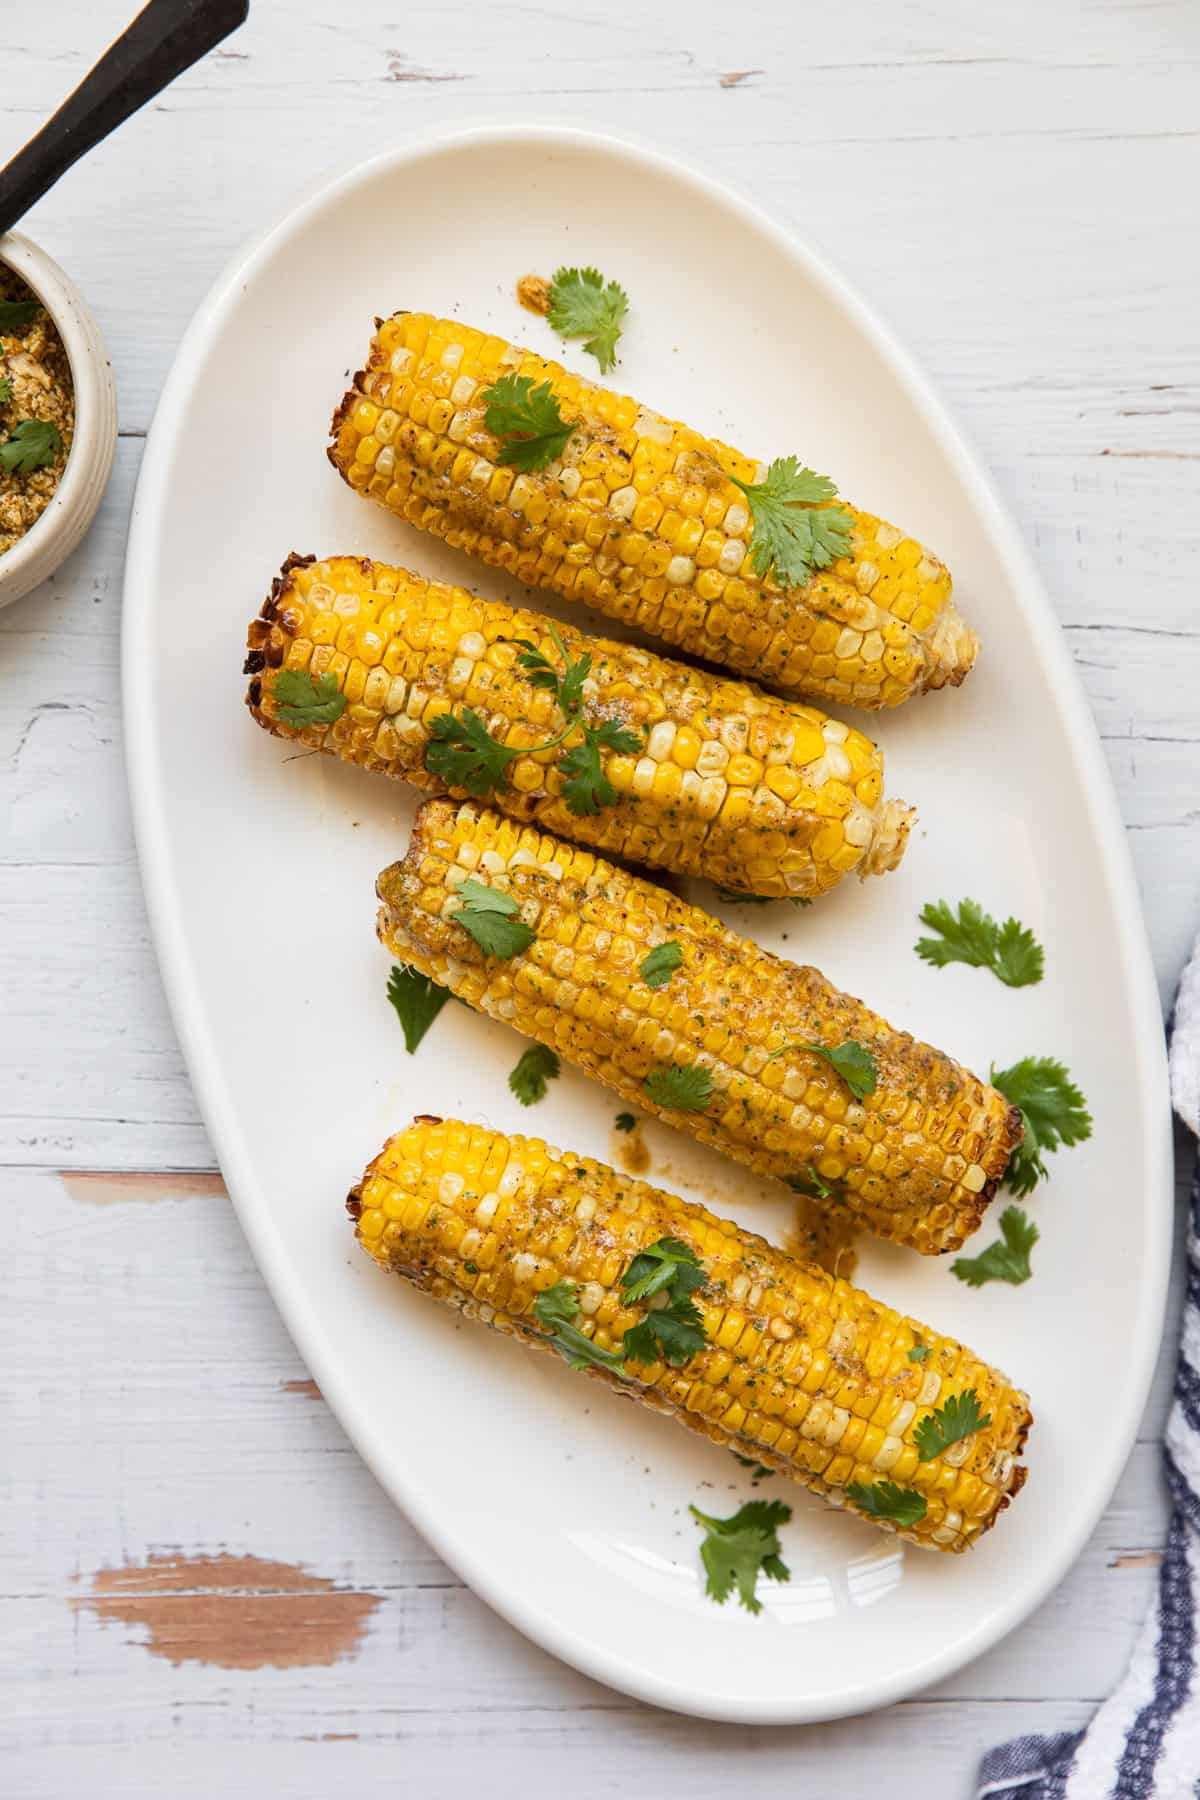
(463, 753)
(533, 1072)
(737, 1550)
(539, 671)
(527, 421)
(584, 305)
(588, 787)
(813, 1186)
(18, 312)
(758, 1471)
(301, 701)
(795, 533)
(658, 965)
(959, 1418)
(417, 1001)
(667, 1263)
(33, 444)
(972, 936)
(885, 1500)
(920, 1353)
(1054, 1111)
(625, 1121)
(686, 1087)
(1005, 1260)
(734, 897)
(489, 915)
(675, 1333)
(557, 1308)
(5, 391)
(851, 1060)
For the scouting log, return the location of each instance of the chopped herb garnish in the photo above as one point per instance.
(813, 1185)
(5, 392)
(536, 1069)
(674, 1332)
(1005, 1260)
(885, 1500)
(665, 1264)
(625, 1121)
(732, 897)
(471, 1268)
(658, 965)
(920, 1353)
(489, 915)
(33, 444)
(852, 1061)
(686, 1087)
(588, 787)
(527, 421)
(758, 1471)
(972, 936)
(795, 531)
(1054, 1112)
(583, 305)
(417, 1001)
(14, 313)
(301, 701)
(959, 1418)
(737, 1550)
(557, 1309)
(463, 753)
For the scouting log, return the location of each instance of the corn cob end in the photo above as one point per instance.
(893, 823)
(952, 648)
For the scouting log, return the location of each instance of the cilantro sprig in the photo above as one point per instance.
(536, 1069)
(972, 936)
(31, 445)
(5, 390)
(526, 419)
(684, 1086)
(557, 1308)
(14, 313)
(301, 701)
(658, 965)
(490, 915)
(796, 531)
(887, 1500)
(737, 1550)
(417, 1001)
(1007, 1259)
(851, 1060)
(581, 304)
(959, 1418)
(1054, 1110)
(813, 1185)
(668, 1273)
(463, 753)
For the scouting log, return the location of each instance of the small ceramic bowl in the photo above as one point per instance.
(71, 510)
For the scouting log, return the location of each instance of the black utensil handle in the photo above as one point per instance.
(166, 38)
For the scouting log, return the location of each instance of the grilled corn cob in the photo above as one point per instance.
(638, 518)
(756, 793)
(801, 1372)
(917, 1160)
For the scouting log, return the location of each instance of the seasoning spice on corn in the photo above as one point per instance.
(916, 1159)
(641, 518)
(431, 684)
(37, 409)
(801, 1373)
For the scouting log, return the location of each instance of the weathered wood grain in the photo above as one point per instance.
(1014, 189)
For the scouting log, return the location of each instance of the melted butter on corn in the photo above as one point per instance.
(801, 1372)
(639, 519)
(916, 1161)
(756, 793)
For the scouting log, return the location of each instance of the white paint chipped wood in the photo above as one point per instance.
(1014, 189)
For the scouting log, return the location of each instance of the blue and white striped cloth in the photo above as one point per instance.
(1144, 1742)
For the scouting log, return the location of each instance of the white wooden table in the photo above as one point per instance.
(204, 1591)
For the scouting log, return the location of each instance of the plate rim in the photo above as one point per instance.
(185, 1003)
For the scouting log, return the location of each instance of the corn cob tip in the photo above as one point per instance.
(952, 648)
(888, 843)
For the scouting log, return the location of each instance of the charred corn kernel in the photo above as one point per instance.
(876, 627)
(946, 1135)
(410, 650)
(795, 1361)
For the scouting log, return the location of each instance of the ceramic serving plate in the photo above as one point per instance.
(566, 1510)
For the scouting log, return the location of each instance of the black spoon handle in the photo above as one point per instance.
(166, 38)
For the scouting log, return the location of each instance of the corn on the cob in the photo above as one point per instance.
(758, 794)
(917, 1160)
(639, 519)
(801, 1372)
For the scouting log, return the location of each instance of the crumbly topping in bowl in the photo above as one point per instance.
(37, 409)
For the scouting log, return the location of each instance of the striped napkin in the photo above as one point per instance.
(1144, 1742)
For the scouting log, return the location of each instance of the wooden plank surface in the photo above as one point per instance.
(204, 1590)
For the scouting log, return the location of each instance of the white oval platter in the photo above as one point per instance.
(566, 1510)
